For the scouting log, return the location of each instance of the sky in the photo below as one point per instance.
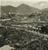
(41, 4)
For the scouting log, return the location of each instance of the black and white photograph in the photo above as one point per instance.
(23, 24)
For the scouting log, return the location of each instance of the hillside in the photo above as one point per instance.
(7, 9)
(21, 9)
(25, 9)
(46, 9)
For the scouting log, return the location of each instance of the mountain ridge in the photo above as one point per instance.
(26, 9)
(21, 9)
